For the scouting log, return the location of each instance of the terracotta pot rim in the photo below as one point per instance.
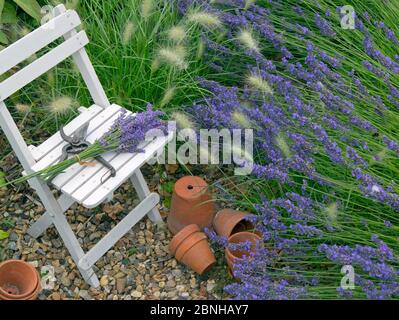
(32, 296)
(181, 253)
(181, 236)
(228, 252)
(224, 226)
(34, 271)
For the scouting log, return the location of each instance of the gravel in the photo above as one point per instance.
(139, 266)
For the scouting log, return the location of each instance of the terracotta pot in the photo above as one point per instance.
(232, 257)
(190, 247)
(19, 280)
(228, 222)
(191, 204)
(181, 236)
(32, 296)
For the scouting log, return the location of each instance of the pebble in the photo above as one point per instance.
(120, 285)
(176, 273)
(148, 272)
(104, 281)
(84, 294)
(170, 284)
(65, 281)
(210, 286)
(136, 294)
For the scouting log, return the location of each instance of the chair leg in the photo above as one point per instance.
(64, 230)
(123, 227)
(143, 191)
(40, 226)
(45, 221)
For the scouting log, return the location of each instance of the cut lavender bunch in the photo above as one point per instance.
(125, 135)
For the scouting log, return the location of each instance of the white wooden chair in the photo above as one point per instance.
(84, 185)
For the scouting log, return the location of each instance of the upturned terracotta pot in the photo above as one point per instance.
(19, 280)
(190, 247)
(229, 221)
(191, 204)
(233, 256)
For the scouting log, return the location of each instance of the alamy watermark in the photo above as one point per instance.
(348, 280)
(348, 18)
(207, 147)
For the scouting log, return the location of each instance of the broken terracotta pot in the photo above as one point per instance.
(233, 256)
(19, 280)
(229, 221)
(190, 247)
(191, 204)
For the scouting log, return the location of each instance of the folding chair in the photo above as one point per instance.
(78, 184)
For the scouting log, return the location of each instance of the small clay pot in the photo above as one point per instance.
(19, 280)
(32, 296)
(190, 247)
(232, 257)
(181, 236)
(191, 204)
(228, 221)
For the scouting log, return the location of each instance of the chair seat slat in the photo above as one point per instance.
(54, 141)
(94, 181)
(71, 179)
(100, 192)
(53, 156)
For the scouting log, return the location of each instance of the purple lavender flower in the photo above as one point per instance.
(130, 130)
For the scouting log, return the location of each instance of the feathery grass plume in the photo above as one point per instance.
(72, 4)
(22, 108)
(241, 119)
(61, 105)
(248, 3)
(32, 58)
(258, 83)
(147, 7)
(205, 19)
(246, 38)
(200, 49)
(380, 157)
(175, 56)
(128, 31)
(168, 96)
(177, 34)
(156, 63)
(51, 78)
(183, 120)
(283, 145)
(24, 31)
(332, 212)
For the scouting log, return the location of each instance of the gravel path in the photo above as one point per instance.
(138, 267)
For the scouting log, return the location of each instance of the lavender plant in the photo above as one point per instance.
(323, 104)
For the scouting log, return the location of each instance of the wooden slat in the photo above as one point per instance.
(38, 39)
(77, 174)
(101, 174)
(102, 190)
(54, 141)
(53, 156)
(42, 65)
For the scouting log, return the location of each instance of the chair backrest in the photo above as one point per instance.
(63, 25)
